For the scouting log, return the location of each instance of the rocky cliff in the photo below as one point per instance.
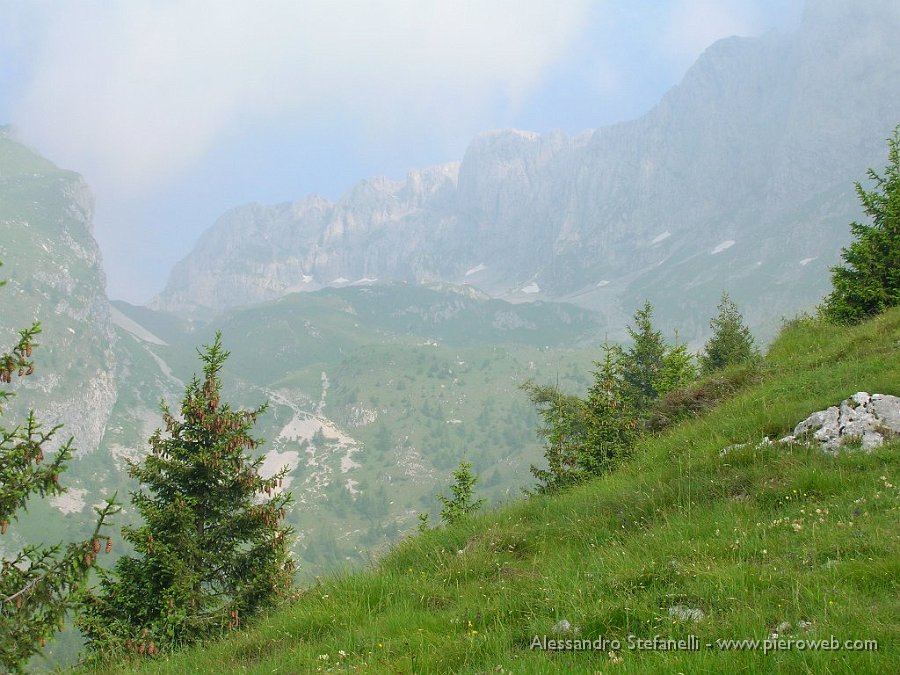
(741, 178)
(54, 275)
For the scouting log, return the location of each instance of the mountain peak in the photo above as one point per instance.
(759, 145)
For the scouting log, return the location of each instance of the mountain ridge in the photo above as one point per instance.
(754, 145)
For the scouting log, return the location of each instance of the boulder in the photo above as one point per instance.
(863, 419)
(887, 409)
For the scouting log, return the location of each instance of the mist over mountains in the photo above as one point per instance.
(427, 302)
(741, 178)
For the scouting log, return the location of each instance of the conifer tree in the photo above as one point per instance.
(869, 282)
(39, 584)
(462, 503)
(563, 431)
(212, 550)
(612, 421)
(678, 369)
(644, 360)
(731, 342)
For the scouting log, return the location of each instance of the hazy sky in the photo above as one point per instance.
(175, 111)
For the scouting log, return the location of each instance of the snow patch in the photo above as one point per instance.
(481, 267)
(602, 283)
(341, 280)
(806, 261)
(532, 288)
(728, 243)
(661, 237)
(306, 278)
(365, 281)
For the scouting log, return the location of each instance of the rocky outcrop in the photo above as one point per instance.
(55, 276)
(862, 420)
(740, 178)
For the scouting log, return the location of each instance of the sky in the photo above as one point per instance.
(177, 110)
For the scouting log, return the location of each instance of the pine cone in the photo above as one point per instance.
(109, 544)
(96, 545)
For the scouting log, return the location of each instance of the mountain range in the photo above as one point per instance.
(390, 330)
(740, 179)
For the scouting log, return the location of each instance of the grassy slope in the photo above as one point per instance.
(755, 538)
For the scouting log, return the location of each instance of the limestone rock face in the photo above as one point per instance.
(862, 419)
(54, 272)
(740, 178)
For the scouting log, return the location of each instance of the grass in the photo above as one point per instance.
(760, 536)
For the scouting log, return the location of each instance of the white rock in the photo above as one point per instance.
(562, 627)
(684, 613)
(860, 397)
(872, 440)
(887, 409)
(862, 418)
(818, 420)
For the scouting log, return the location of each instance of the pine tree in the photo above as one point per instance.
(563, 431)
(612, 421)
(644, 360)
(731, 342)
(462, 503)
(869, 283)
(678, 369)
(212, 550)
(39, 584)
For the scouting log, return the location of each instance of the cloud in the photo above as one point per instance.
(133, 92)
